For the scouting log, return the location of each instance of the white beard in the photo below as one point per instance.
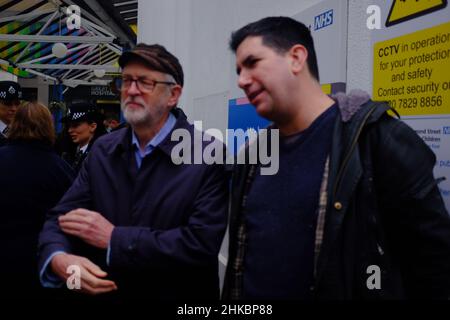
(136, 116)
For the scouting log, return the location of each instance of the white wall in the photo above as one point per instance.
(359, 54)
(197, 32)
(41, 85)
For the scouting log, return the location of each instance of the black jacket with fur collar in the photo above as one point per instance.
(384, 215)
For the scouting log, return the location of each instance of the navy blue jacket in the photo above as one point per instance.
(32, 180)
(169, 219)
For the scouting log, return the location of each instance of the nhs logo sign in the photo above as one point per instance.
(446, 130)
(323, 20)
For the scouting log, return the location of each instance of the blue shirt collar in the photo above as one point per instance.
(160, 136)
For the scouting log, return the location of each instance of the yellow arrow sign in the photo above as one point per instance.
(403, 10)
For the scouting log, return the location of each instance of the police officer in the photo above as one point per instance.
(10, 95)
(84, 125)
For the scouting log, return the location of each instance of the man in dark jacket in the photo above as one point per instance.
(134, 222)
(354, 211)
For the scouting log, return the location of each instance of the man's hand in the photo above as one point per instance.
(88, 225)
(91, 274)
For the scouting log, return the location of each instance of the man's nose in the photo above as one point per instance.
(133, 89)
(244, 80)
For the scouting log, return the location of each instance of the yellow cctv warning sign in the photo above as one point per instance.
(402, 10)
(411, 72)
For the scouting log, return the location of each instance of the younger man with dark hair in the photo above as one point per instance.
(354, 191)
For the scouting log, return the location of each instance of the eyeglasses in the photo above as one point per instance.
(143, 84)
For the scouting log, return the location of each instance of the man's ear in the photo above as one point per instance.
(175, 93)
(298, 54)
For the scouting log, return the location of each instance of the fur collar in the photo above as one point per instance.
(351, 103)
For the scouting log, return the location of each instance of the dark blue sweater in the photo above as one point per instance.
(281, 216)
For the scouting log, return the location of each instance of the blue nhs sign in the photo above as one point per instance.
(323, 20)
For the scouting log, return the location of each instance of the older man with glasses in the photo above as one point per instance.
(134, 223)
